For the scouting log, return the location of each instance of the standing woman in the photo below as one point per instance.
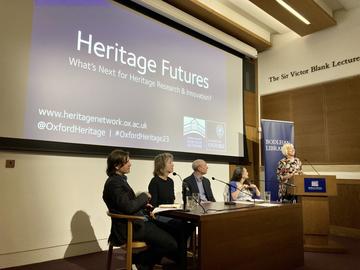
(161, 186)
(287, 168)
(241, 188)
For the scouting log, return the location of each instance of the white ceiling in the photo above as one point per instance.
(258, 21)
(239, 24)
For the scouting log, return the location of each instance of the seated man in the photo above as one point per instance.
(120, 198)
(197, 183)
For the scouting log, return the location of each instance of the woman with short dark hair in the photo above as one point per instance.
(116, 158)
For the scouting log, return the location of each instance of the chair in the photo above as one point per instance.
(130, 244)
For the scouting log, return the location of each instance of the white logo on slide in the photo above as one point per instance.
(314, 183)
(194, 126)
(220, 131)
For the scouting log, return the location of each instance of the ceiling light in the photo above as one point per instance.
(293, 11)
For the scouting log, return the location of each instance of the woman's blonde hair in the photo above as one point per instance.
(160, 163)
(285, 148)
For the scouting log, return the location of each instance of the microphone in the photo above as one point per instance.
(184, 186)
(308, 162)
(184, 183)
(187, 191)
(175, 174)
(230, 202)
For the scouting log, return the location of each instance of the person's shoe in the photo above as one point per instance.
(166, 260)
(143, 267)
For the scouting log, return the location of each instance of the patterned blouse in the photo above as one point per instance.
(287, 166)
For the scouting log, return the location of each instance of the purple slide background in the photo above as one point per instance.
(56, 85)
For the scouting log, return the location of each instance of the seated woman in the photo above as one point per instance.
(241, 188)
(161, 186)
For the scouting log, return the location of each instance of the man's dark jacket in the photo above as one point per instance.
(190, 182)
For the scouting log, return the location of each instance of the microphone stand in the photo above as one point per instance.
(187, 190)
(230, 202)
(229, 185)
(311, 166)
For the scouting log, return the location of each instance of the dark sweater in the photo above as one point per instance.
(162, 191)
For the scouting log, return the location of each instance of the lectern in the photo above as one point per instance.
(313, 193)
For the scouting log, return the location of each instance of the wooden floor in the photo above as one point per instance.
(313, 261)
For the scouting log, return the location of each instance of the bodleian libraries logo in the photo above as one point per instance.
(274, 144)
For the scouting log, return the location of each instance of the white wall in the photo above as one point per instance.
(50, 201)
(291, 52)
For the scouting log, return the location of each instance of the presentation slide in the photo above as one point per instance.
(101, 73)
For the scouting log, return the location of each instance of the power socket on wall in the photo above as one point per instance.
(10, 163)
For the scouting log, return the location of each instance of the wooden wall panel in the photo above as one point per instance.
(343, 119)
(326, 118)
(250, 115)
(276, 107)
(345, 207)
(251, 131)
(310, 130)
(253, 148)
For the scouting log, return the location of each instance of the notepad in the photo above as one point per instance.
(166, 207)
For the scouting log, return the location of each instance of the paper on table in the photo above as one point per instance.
(269, 204)
(250, 201)
(166, 207)
(259, 202)
(172, 205)
(244, 202)
(256, 200)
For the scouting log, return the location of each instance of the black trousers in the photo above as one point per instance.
(163, 240)
(181, 230)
